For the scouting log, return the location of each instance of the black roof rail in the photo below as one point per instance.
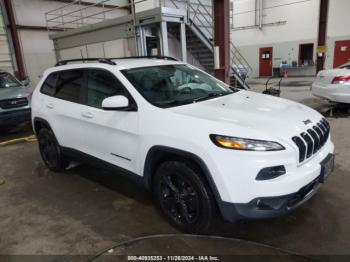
(99, 60)
(110, 60)
(150, 57)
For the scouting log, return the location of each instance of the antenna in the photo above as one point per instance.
(82, 56)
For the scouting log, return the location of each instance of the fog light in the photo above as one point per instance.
(271, 173)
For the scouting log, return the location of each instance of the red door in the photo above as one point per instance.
(265, 58)
(341, 53)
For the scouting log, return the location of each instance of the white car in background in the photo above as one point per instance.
(333, 84)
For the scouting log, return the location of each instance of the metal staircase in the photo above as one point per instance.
(199, 39)
(80, 23)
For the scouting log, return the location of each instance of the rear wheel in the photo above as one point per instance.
(50, 151)
(184, 196)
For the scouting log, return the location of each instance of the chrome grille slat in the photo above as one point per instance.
(316, 140)
(311, 141)
(302, 148)
(319, 133)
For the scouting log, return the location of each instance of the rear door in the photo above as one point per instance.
(341, 53)
(265, 64)
(62, 104)
(112, 136)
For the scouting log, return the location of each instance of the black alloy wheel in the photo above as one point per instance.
(184, 196)
(50, 151)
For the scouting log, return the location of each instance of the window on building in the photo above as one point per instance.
(306, 55)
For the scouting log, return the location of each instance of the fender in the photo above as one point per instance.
(227, 210)
(39, 120)
(154, 155)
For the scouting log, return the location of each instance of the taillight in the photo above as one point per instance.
(340, 80)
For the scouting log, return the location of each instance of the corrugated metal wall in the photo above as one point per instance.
(6, 62)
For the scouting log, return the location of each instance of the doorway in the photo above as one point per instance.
(306, 54)
(265, 62)
(341, 53)
(152, 46)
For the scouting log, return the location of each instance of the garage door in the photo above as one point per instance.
(341, 53)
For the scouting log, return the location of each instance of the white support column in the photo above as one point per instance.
(164, 38)
(183, 42)
(141, 42)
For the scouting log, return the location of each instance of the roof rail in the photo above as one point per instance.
(150, 57)
(110, 60)
(99, 60)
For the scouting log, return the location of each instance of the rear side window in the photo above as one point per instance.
(69, 85)
(49, 86)
(101, 85)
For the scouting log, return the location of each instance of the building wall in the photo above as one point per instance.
(7, 62)
(37, 48)
(338, 26)
(301, 26)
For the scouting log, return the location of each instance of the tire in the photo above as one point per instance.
(50, 151)
(184, 196)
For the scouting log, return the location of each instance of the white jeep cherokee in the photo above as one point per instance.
(196, 143)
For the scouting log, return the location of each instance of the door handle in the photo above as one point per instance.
(87, 115)
(50, 106)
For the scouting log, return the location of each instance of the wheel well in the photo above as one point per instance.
(158, 155)
(39, 124)
(155, 159)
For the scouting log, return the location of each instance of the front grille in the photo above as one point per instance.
(311, 141)
(13, 103)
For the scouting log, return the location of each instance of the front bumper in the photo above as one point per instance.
(15, 117)
(240, 195)
(269, 207)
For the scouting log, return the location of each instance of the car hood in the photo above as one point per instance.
(13, 92)
(270, 116)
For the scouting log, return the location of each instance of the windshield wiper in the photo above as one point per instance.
(171, 103)
(210, 95)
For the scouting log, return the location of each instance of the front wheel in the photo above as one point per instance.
(50, 151)
(184, 196)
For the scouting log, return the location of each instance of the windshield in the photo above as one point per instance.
(8, 81)
(174, 85)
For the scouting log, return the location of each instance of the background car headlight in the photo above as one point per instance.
(245, 144)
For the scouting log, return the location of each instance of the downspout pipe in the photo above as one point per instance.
(322, 33)
(261, 6)
(15, 39)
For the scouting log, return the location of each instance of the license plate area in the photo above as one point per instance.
(327, 167)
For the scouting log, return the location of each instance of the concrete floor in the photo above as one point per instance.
(85, 210)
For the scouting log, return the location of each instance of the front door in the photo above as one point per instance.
(111, 136)
(265, 65)
(341, 53)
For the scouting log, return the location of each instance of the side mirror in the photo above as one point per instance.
(118, 103)
(25, 82)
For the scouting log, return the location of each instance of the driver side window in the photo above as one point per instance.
(101, 85)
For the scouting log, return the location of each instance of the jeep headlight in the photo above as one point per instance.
(238, 143)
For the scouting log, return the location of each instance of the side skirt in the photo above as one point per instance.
(91, 160)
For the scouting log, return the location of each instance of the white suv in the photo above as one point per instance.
(196, 143)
